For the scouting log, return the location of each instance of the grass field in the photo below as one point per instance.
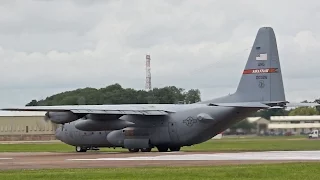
(225, 144)
(290, 171)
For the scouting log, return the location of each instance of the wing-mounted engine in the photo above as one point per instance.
(101, 122)
(94, 125)
(62, 117)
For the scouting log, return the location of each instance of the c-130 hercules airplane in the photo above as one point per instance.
(172, 126)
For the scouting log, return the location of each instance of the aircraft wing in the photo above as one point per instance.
(97, 109)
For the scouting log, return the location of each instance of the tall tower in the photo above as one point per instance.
(148, 73)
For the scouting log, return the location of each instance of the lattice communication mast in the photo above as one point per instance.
(148, 73)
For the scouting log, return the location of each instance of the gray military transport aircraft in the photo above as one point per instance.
(172, 126)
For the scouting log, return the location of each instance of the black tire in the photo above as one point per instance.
(174, 148)
(146, 149)
(162, 149)
(133, 150)
(81, 149)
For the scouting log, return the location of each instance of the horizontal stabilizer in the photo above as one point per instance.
(282, 105)
(241, 104)
(302, 104)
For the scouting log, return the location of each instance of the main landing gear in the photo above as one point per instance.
(165, 149)
(137, 149)
(160, 149)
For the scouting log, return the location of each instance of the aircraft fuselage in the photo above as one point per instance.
(183, 128)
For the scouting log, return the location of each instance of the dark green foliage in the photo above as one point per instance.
(318, 107)
(115, 94)
(304, 111)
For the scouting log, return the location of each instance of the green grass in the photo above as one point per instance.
(257, 144)
(284, 171)
(225, 144)
(54, 147)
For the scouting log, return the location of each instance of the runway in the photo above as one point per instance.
(103, 159)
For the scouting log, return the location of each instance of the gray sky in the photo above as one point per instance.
(49, 46)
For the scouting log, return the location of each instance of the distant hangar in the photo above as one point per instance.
(294, 124)
(19, 125)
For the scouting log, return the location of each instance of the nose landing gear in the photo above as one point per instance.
(84, 149)
(81, 149)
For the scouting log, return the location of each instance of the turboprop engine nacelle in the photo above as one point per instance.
(130, 138)
(61, 117)
(105, 125)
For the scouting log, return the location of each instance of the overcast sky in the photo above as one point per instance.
(50, 46)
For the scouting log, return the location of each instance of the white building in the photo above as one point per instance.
(19, 123)
(294, 124)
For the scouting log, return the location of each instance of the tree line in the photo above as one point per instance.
(116, 94)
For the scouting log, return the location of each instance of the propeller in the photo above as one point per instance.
(46, 117)
(44, 121)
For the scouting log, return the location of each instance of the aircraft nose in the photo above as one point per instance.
(58, 133)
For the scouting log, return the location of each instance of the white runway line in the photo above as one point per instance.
(269, 155)
(6, 158)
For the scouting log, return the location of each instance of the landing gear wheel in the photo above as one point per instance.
(174, 148)
(146, 149)
(162, 149)
(81, 149)
(133, 150)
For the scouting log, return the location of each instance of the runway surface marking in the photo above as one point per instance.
(269, 155)
(5, 158)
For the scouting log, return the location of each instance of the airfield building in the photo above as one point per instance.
(293, 124)
(25, 126)
(280, 125)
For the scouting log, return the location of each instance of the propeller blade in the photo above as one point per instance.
(46, 117)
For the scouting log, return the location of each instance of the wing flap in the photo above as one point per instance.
(120, 112)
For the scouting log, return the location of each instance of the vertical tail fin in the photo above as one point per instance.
(262, 78)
